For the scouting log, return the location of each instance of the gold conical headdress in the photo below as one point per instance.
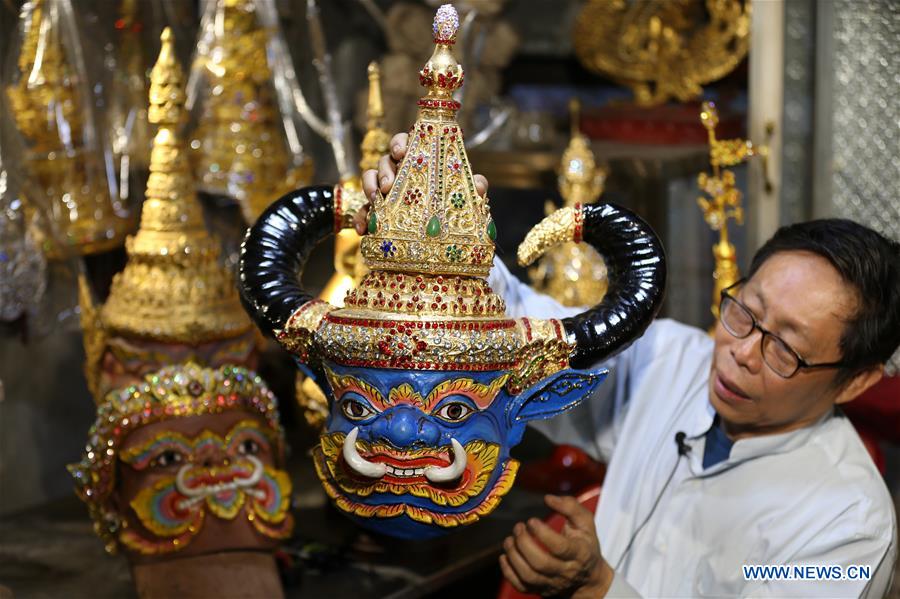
(173, 287)
(574, 273)
(433, 221)
(48, 103)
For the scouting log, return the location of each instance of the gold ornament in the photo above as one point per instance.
(173, 392)
(50, 107)
(425, 305)
(376, 140)
(173, 287)
(663, 50)
(239, 149)
(348, 264)
(572, 273)
(349, 199)
(724, 200)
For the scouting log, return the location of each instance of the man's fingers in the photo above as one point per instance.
(360, 218)
(538, 558)
(511, 575)
(580, 517)
(527, 574)
(398, 146)
(370, 183)
(558, 545)
(387, 169)
(481, 184)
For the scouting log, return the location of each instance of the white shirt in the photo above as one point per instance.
(806, 497)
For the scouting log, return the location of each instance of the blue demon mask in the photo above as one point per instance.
(430, 382)
(414, 453)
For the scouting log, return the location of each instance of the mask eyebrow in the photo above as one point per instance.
(345, 383)
(139, 457)
(482, 395)
(247, 429)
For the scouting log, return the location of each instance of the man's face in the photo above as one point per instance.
(800, 297)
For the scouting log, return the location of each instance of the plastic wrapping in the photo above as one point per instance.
(22, 265)
(241, 95)
(68, 165)
(125, 117)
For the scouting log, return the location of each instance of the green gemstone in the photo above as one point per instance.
(434, 227)
(492, 230)
(373, 223)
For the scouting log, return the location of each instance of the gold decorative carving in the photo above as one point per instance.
(724, 201)
(663, 50)
(49, 105)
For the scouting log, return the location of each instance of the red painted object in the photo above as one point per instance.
(876, 416)
(568, 471)
(589, 499)
(670, 124)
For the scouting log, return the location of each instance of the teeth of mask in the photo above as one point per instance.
(405, 471)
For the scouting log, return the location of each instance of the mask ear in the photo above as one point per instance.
(554, 395)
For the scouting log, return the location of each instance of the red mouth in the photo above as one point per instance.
(408, 471)
(729, 391)
(208, 479)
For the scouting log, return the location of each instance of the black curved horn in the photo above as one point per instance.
(636, 263)
(275, 250)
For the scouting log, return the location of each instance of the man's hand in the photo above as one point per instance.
(383, 179)
(539, 560)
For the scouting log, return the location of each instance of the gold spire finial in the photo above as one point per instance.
(433, 221)
(173, 287)
(580, 180)
(572, 273)
(442, 74)
(376, 140)
(574, 117)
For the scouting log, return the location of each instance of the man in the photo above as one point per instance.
(729, 453)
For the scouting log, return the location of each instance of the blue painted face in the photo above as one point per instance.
(414, 453)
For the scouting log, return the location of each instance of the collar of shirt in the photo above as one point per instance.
(743, 449)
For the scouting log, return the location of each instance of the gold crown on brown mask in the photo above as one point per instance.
(173, 287)
(83, 218)
(574, 273)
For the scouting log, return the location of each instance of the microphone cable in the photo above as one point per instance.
(683, 450)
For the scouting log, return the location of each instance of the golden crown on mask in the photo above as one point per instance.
(173, 287)
(426, 303)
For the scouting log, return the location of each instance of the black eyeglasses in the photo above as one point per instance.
(776, 353)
